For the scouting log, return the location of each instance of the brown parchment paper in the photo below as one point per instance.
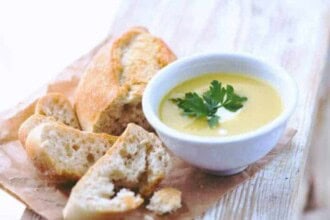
(19, 177)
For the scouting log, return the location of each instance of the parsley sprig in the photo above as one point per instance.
(207, 105)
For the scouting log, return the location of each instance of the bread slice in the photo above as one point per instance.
(109, 94)
(49, 108)
(59, 107)
(165, 200)
(29, 124)
(101, 202)
(137, 161)
(63, 153)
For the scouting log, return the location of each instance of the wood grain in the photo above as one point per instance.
(289, 33)
(293, 34)
(318, 162)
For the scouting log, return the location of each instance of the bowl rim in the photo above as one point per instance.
(161, 127)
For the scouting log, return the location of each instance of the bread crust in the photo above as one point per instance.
(53, 166)
(75, 210)
(109, 94)
(151, 177)
(58, 106)
(50, 107)
(29, 124)
(119, 167)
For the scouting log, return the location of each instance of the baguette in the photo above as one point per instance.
(109, 94)
(137, 161)
(63, 153)
(49, 108)
(165, 200)
(58, 106)
(29, 124)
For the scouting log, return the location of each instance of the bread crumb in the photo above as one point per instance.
(148, 217)
(165, 200)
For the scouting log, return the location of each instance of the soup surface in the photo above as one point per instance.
(262, 106)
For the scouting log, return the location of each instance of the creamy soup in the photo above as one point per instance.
(262, 106)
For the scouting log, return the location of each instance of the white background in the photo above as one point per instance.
(37, 40)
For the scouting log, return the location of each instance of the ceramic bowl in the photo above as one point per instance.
(220, 155)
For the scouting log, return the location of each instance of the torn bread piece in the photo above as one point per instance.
(63, 153)
(137, 161)
(49, 108)
(109, 93)
(99, 201)
(29, 124)
(58, 106)
(165, 200)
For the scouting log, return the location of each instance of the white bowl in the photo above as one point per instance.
(220, 155)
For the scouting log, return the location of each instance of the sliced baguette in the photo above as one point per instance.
(136, 161)
(29, 124)
(51, 107)
(63, 153)
(101, 202)
(58, 106)
(165, 200)
(109, 94)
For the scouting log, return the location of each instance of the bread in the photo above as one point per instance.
(29, 124)
(109, 94)
(51, 107)
(105, 205)
(59, 107)
(165, 200)
(63, 153)
(137, 161)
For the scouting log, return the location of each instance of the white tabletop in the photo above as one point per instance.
(37, 40)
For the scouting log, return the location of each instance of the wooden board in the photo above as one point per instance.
(318, 163)
(293, 34)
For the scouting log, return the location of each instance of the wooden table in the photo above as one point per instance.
(293, 34)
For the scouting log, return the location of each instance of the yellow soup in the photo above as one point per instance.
(263, 105)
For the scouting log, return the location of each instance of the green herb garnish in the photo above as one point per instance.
(207, 105)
